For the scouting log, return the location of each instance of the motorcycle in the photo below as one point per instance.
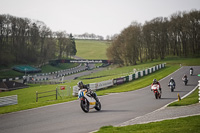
(191, 72)
(185, 81)
(171, 86)
(87, 101)
(156, 91)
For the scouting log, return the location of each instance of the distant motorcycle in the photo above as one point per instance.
(185, 81)
(191, 72)
(87, 101)
(156, 91)
(171, 86)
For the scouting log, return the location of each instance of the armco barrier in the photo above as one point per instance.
(8, 100)
(108, 83)
(100, 85)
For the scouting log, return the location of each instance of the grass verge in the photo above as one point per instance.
(182, 125)
(191, 99)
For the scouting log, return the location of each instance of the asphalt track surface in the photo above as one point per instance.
(116, 108)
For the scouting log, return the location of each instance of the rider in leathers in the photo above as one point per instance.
(89, 91)
(173, 81)
(156, 82)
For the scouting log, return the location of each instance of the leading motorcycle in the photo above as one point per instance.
(156, 91)
(88, 100)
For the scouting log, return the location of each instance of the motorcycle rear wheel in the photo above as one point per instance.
(85, 105)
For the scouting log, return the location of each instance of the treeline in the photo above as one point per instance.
(89, 36)
(178, 35)
(27, 41)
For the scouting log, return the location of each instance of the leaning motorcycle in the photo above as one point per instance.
(156, 91)
(87, 101)
(171, 86)
(185, 81)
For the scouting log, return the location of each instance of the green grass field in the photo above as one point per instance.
(91, 49)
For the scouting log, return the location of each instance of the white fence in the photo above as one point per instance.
(8, 100)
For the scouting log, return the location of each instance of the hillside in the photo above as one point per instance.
(91, 49)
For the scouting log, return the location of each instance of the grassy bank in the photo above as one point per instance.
(193, 98)
(91, 49)
(181, 125)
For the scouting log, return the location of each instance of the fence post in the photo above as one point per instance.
(36, 96)
(56, 93)
(199, 90)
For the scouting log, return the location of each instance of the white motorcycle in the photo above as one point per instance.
(87, 101)
(191, 72)
(171, 86)
(156, 91)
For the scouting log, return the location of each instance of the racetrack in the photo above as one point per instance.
(116, 108)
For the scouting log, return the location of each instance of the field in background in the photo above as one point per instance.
(91, 49)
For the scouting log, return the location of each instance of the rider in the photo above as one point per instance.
(173, 81)
(191, 69)
(184, 77)
(156, 82)
(89, 91)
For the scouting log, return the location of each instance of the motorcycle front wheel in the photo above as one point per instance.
(172, 88)
(156, 95)
(85, 105)
(98, 106)
(185, 82)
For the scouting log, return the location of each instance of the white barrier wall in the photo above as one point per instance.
(136, 75)
(150, 70)
(130, 77)
(154, 69)
(146, 71)
(141, 73)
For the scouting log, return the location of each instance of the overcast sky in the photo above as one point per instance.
(101, 17)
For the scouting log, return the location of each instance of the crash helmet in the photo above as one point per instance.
(171, 78)
(154, 80)
(80, 83)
